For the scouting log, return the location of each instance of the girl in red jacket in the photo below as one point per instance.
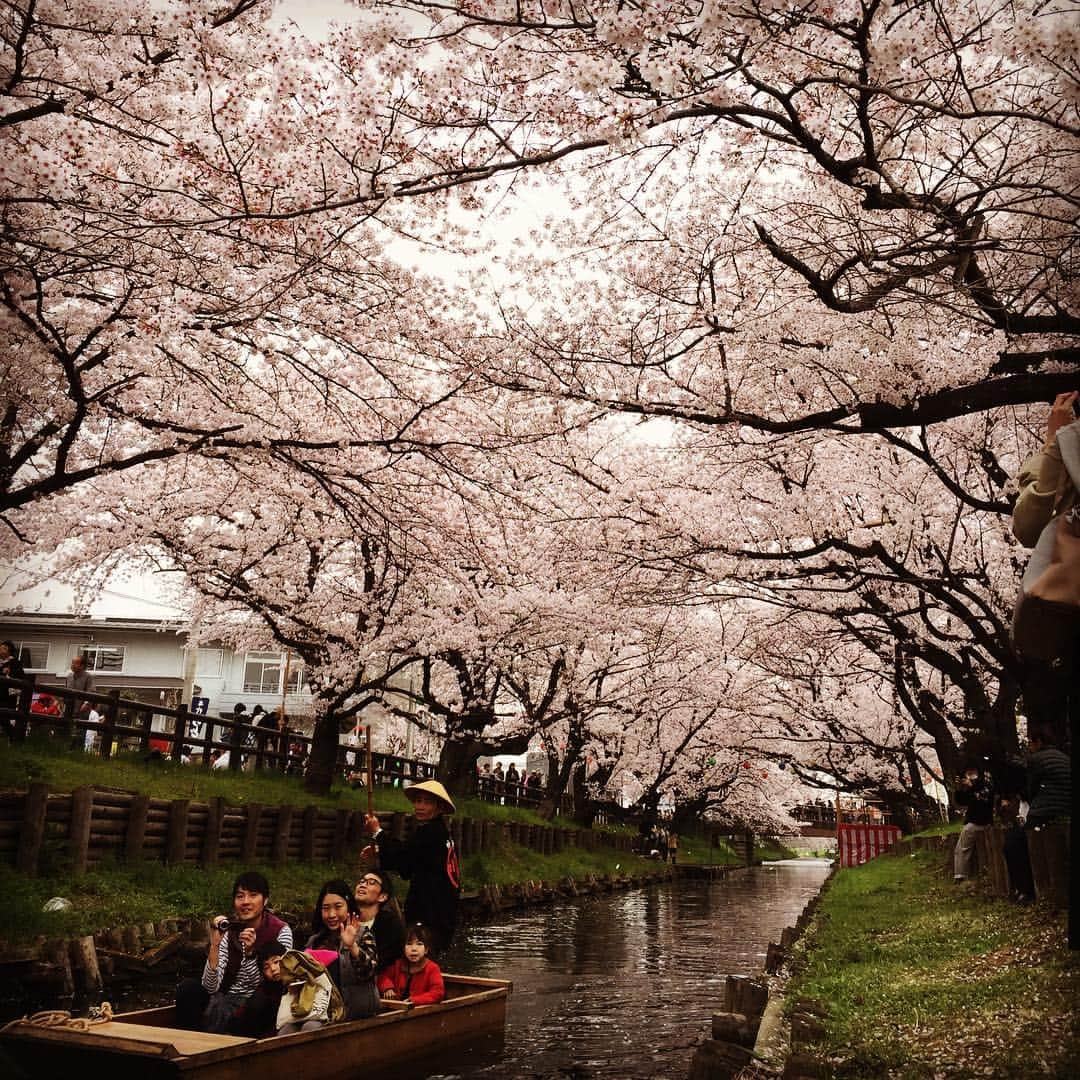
(413, 977)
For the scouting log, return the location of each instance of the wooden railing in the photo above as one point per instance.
(188, 737)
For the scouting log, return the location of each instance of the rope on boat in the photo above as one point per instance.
(58, 1018)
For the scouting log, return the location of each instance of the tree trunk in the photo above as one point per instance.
(322, 762)
(687, 816)
(584, 811)
(457, 764)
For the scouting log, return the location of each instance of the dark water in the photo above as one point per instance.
(622, 986)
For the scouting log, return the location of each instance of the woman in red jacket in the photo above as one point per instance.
(413, 977)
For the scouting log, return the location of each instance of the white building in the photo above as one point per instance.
(133, 640)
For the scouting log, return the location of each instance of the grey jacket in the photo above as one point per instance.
(1049, 785)
(355, 976)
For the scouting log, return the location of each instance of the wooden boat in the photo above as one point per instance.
(146, 1045)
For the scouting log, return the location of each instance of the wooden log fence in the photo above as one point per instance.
(1048, 849)
(86, 827)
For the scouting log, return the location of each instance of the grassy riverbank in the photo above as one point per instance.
(118, 894)
(923, 979)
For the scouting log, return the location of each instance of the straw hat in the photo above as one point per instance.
(432, 787)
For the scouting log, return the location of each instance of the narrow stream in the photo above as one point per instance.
(623, 985)
(620, 986)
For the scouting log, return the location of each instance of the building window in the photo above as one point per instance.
(262, 673)
(297, 682)
(33, 655)
(209, 663)
(104, 657)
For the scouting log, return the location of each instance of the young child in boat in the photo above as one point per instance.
(309, 999)
(414, 977)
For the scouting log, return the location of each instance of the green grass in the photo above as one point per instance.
(924, 980)
(45, 759)
(942, 828)
(770, 849)
(511, 863)
(118, 894)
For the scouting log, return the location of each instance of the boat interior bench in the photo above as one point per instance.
(183, 1042)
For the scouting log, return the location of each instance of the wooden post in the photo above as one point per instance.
(58, 954)
(370, 771)
(84, 961)
(147, 727)
(307, 836)
(35, 808)
(236, 741)
(23, 720)
(211, 842)
(108, 724)
(73, 735)
(341, 836)
(207, 739)
(251, 833)
(136, 827)
(179, 732)
(746, 996)
(176, 838)
(280, 854)
(82, 808)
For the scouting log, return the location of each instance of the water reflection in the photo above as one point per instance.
(620, 986)
(623, 986)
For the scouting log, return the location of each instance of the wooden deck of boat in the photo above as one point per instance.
(144, 1046)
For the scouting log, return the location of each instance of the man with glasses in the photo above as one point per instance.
(379, 912)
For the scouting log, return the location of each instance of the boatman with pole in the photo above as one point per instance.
(428, 859)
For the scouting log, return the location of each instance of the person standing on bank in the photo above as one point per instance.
(975, 792)
(10, 668)
(80, 679)
(428, 859)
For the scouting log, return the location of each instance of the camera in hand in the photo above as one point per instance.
(223, 925)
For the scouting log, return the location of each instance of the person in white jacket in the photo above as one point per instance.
(309, 999)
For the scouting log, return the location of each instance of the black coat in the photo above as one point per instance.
(428, 860)
(389, 934)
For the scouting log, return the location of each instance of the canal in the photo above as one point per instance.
(618, 986)
(622, 985)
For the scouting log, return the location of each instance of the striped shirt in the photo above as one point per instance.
(250, 974)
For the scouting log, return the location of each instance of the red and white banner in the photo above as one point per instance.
(858, 843)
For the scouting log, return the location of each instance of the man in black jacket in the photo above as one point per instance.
(974, 790)
(427, 859)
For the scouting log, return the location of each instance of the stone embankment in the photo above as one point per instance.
(751, 1028)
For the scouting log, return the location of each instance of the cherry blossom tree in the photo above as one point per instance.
(863, 205)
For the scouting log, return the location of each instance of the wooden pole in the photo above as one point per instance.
(839, 850)
(370, 772)
(369, 853)
(32, 833)
(285, 687)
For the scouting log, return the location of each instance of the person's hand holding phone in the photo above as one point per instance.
(1062, 413)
